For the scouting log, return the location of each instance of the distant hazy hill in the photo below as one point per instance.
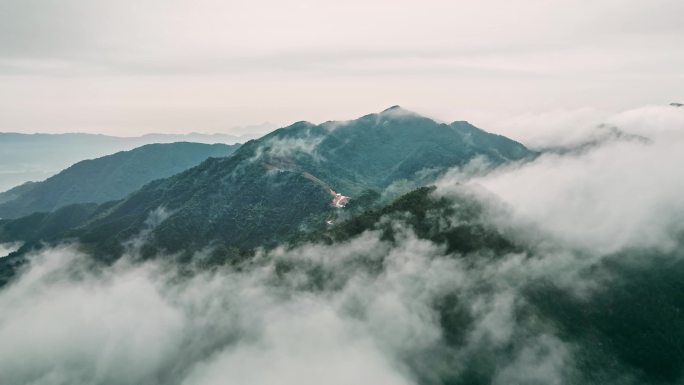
(15, 192)
(603, 134)
(279, 185)
(107, 178)
(33, 157)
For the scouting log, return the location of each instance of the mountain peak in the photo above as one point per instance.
(398, 111)
(393, 108)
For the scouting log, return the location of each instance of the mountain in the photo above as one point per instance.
(425, 215)
(32, 157)
(377, 150)
(633, 325)
(16, 192)
(107, 178)
(602, 135)
(282, 184)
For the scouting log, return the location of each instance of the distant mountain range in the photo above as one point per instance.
(107, 178)
(277, 186)
(602, 135)
(34, 157)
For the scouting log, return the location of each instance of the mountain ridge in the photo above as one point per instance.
(107, 178)
(281, 184)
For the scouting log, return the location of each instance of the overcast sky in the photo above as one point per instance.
(134, 66)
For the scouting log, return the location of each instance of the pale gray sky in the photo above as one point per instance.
(129, 67)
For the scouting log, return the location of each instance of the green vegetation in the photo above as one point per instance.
(108, 178)
(278, 187)
(455, 222)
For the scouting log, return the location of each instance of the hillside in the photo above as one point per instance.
(33, 157)
(107, 178)
(377, 150)
(632, 325)
(16, 192)
(279, 185)
(453, 222)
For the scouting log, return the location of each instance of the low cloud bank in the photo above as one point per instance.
(570, 128)
(366, 310)
(622, 194)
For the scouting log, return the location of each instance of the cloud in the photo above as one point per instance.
(551, 128)
(178, 65)
(539, 363)
(661, 123)
(306, 315)
(285, 147)
(7, 248)
(621, 195)
(568, 128)
(282, 148)
(154, 218)
(68, 326)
